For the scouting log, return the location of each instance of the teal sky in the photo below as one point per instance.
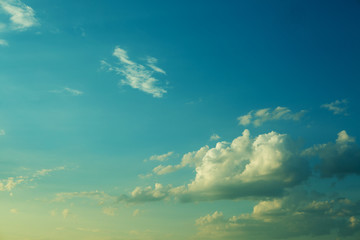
(223, 120)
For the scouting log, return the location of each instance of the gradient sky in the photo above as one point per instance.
(129, 120)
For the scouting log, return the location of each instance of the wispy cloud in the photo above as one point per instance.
(22, 16)
(3, 43)
(337, 107)
(162, 157)
(66, 90)
(11, 182)
(136, 75)
(2, 132)
(258, 117)
(99, 196)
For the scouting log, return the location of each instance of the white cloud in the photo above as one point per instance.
(67, 90)
(99, 196)
(214, 137)
(2, 132)
(337, 107)
(136, 75)
(136, 212)
(147, 194)
(65, 213)
(258, 117)
(337, 159)
(151, 63)
(110, 211)
(14, 211)
(292, 216)
(21, 15)
(162, 157)
(3, 42)
(260, 167)
(11, 182)
(73, 92)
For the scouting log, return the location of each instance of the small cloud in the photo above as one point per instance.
(65, 213)
(136, 75)
(11, 182)
(73, 92)
(258, 117)
(136, 212)
(66, 90)
(337, 107)
(214, 137)
(3, 43)
(22, 16)
(338, 159)
(14, 211)
(2, 132)
(151, 63)
(162, 157)
(110, 211)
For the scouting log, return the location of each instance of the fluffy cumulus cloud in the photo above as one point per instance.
(258, 117)
(259, 167)
(136, 75)
(21, 16)
(337, 107)
(147, 194)
(291, 216)
(339, 158)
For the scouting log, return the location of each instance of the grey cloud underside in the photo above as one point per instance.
(338, 159)
(261, 116)
(291, 216)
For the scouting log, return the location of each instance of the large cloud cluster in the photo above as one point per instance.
(292, 216)
(260, 167)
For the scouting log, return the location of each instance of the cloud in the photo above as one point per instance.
(65, 213)
(337, 159)
(258, 117)
(3, 42)
(261, 167)
(147, 194)
(151, 63)
(73, 92)
(190, 159)
(162, 157)
(136, 212)
(337, 107)
(11, 182)
(22, 16)
(99, 196)
(292, 216)
(214, 137)
(136, 75)
(14, 211)
(70, 91)
(110, 211)
(2, 132)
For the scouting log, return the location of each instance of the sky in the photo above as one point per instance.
(197, 120)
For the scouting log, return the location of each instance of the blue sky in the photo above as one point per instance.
(179, 119)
